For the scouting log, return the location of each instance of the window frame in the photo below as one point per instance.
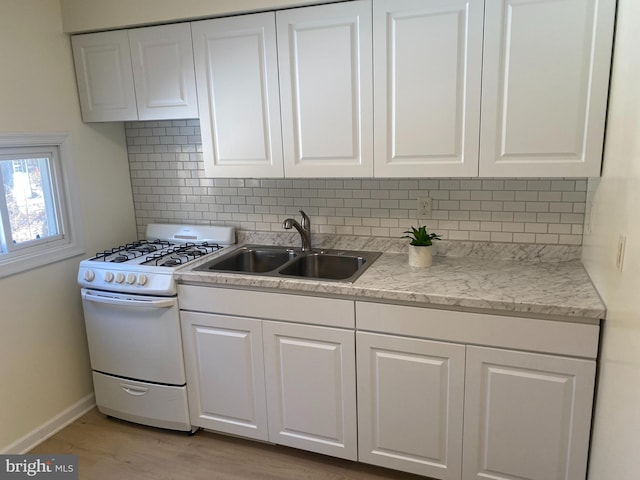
(68, 243)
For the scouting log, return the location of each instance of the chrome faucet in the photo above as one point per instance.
(304, 230)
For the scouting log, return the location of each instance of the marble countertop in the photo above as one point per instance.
(545, 286)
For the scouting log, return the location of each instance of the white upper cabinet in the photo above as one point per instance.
(544, 87)
(104, 76)
(461, 88)
(139, 74)
(237, 78)
(325, 57)
(427, 75)
(163, 73)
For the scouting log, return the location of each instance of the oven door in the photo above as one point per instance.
(134, 336)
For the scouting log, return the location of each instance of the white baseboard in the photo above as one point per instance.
(49, 428)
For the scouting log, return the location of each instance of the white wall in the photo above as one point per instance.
(614, 450)
(87, 15)
(44, 367)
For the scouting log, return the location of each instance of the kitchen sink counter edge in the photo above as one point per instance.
(548, 288)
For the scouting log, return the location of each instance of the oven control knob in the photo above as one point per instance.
(120, 277)
(142, 279)
(131, 278)
(108, 277)
(89, 275)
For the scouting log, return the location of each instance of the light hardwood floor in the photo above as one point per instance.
(110, 449)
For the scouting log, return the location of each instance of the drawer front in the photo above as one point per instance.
(520, 333)
(140, 402)
(328, 312)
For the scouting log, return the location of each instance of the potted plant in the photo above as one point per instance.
(420, 254)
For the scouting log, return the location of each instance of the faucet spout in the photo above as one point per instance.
(304, 230)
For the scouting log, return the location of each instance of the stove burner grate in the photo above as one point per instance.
(156, 252)
(181, 254)
(131, 251)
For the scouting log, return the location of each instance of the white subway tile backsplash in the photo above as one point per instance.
(491, 226)
(167, 177)
(460, 195)
(539, 185)
(482, 216)
(513, 227)
(458, 235)
(524, 238)
(469, 226)
(559, 228)
(501, 237)
(547, 238)
(535, 227)
(480, 236)
(548, 217)
(515, 184)
(498, 216)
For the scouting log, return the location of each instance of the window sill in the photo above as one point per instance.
(10, 265)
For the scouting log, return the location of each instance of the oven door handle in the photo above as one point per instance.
(130, 302)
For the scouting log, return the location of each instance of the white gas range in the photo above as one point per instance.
(146, 266)
(133, 325)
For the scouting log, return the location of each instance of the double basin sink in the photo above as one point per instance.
(283, 262)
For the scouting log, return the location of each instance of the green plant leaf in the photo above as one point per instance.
(420, 236)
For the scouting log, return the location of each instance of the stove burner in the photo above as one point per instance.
(120, 259)
(146, 249)
(194, 252)
(172, 262)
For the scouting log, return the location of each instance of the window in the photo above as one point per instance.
(37, 202)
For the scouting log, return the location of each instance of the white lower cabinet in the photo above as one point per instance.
(225, 373)
(410, 400)
(527, 416)
(527, 393)
(311, 388)
(430, 401)
(255, 359)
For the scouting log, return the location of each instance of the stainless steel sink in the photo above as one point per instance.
(251, 259)
(325, 265)
(276, 261)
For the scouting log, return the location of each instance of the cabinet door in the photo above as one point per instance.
(163, 72)
(427, 72)
(410, 400)
(225, 373)
(527, 416)
(544, 87)
(238, 96)
(104, 76)
(324, 55)
(311, 388)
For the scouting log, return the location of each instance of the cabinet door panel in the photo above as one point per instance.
(163, 71)
(225, 374)
(238, 96)
(545, 81)
(410, 399)
(427, 70)
(104, 75)
(311, 396)
(324, 56)
(527, 416)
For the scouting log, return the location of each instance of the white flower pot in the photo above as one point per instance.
(420, 256)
